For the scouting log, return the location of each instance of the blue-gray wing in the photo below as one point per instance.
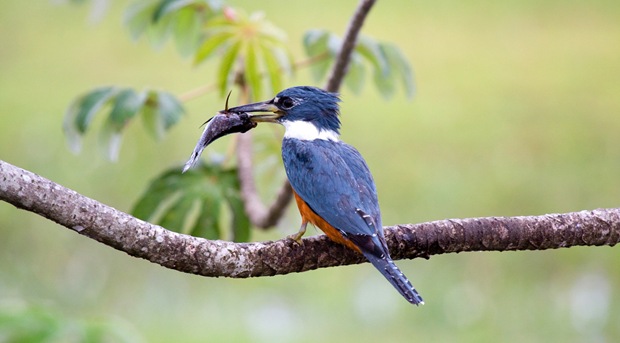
(335, 182)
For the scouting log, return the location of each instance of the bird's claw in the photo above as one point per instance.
(296, 237)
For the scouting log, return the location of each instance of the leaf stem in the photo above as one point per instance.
(197, 92)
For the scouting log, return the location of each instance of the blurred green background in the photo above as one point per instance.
(517, 112)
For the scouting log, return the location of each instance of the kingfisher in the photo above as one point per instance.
(331, 182)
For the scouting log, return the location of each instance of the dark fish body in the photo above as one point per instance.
(222, 124)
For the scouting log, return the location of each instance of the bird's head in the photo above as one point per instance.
(302, 108)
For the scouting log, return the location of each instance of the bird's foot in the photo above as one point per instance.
(297, 237)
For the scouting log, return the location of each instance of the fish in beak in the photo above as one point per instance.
(222, 124)
(230, 120)
(265, 111)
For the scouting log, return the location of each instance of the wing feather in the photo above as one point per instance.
(334, 180)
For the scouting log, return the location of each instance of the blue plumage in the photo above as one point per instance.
(312, 104)
(329, 176)
(334, 180)
(326, 175)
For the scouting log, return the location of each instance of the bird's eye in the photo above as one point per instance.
(286, 103)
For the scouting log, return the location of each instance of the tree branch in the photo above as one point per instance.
(339, 69)
(188, 254)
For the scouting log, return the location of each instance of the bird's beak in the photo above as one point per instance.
(264, 111)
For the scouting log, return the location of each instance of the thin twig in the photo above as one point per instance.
(197, 92)
(310, 60)
(339, 69)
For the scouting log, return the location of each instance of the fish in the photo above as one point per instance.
(222, 124)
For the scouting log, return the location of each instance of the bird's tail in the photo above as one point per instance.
(391, 272)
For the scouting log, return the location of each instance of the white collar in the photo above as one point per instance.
(306, 131)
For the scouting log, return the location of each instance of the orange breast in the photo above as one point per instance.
(307, 215)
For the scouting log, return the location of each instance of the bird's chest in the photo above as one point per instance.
(299, 154)
(308, 156)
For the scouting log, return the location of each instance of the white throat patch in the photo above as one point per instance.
(307, 131)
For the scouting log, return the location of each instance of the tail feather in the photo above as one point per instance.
(391, 272)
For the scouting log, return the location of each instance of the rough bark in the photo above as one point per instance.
(121, 231)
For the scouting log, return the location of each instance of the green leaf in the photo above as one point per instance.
(110, 140)
(207, 223)
(389, 64)
(185, 19)
(370, 50)
(168, 6)
(401, 66)
(81, 112)
(87, 105)
(150, 115)
(244, 39)
(354, 78)
(126, 105)
(139, 16)
(316, 43)
(333, 44)
(169, 109)
(267, 31)
(240, 221)
(385, 84)
(156, 197)
(175, 217)
(160, 30)
(210, 45)
(252, 74)
(397, 69)
(274, 68)
(211, 5)
(226, 73)
(191, 202)
(220, 23)
(320, 68)
(187, 30)
(160, 112)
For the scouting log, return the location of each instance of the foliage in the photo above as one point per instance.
(159, 110)
(517, 115)
(191, 203)
(203, 29)
(388, 63)
(183, 19)
(251, 53)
